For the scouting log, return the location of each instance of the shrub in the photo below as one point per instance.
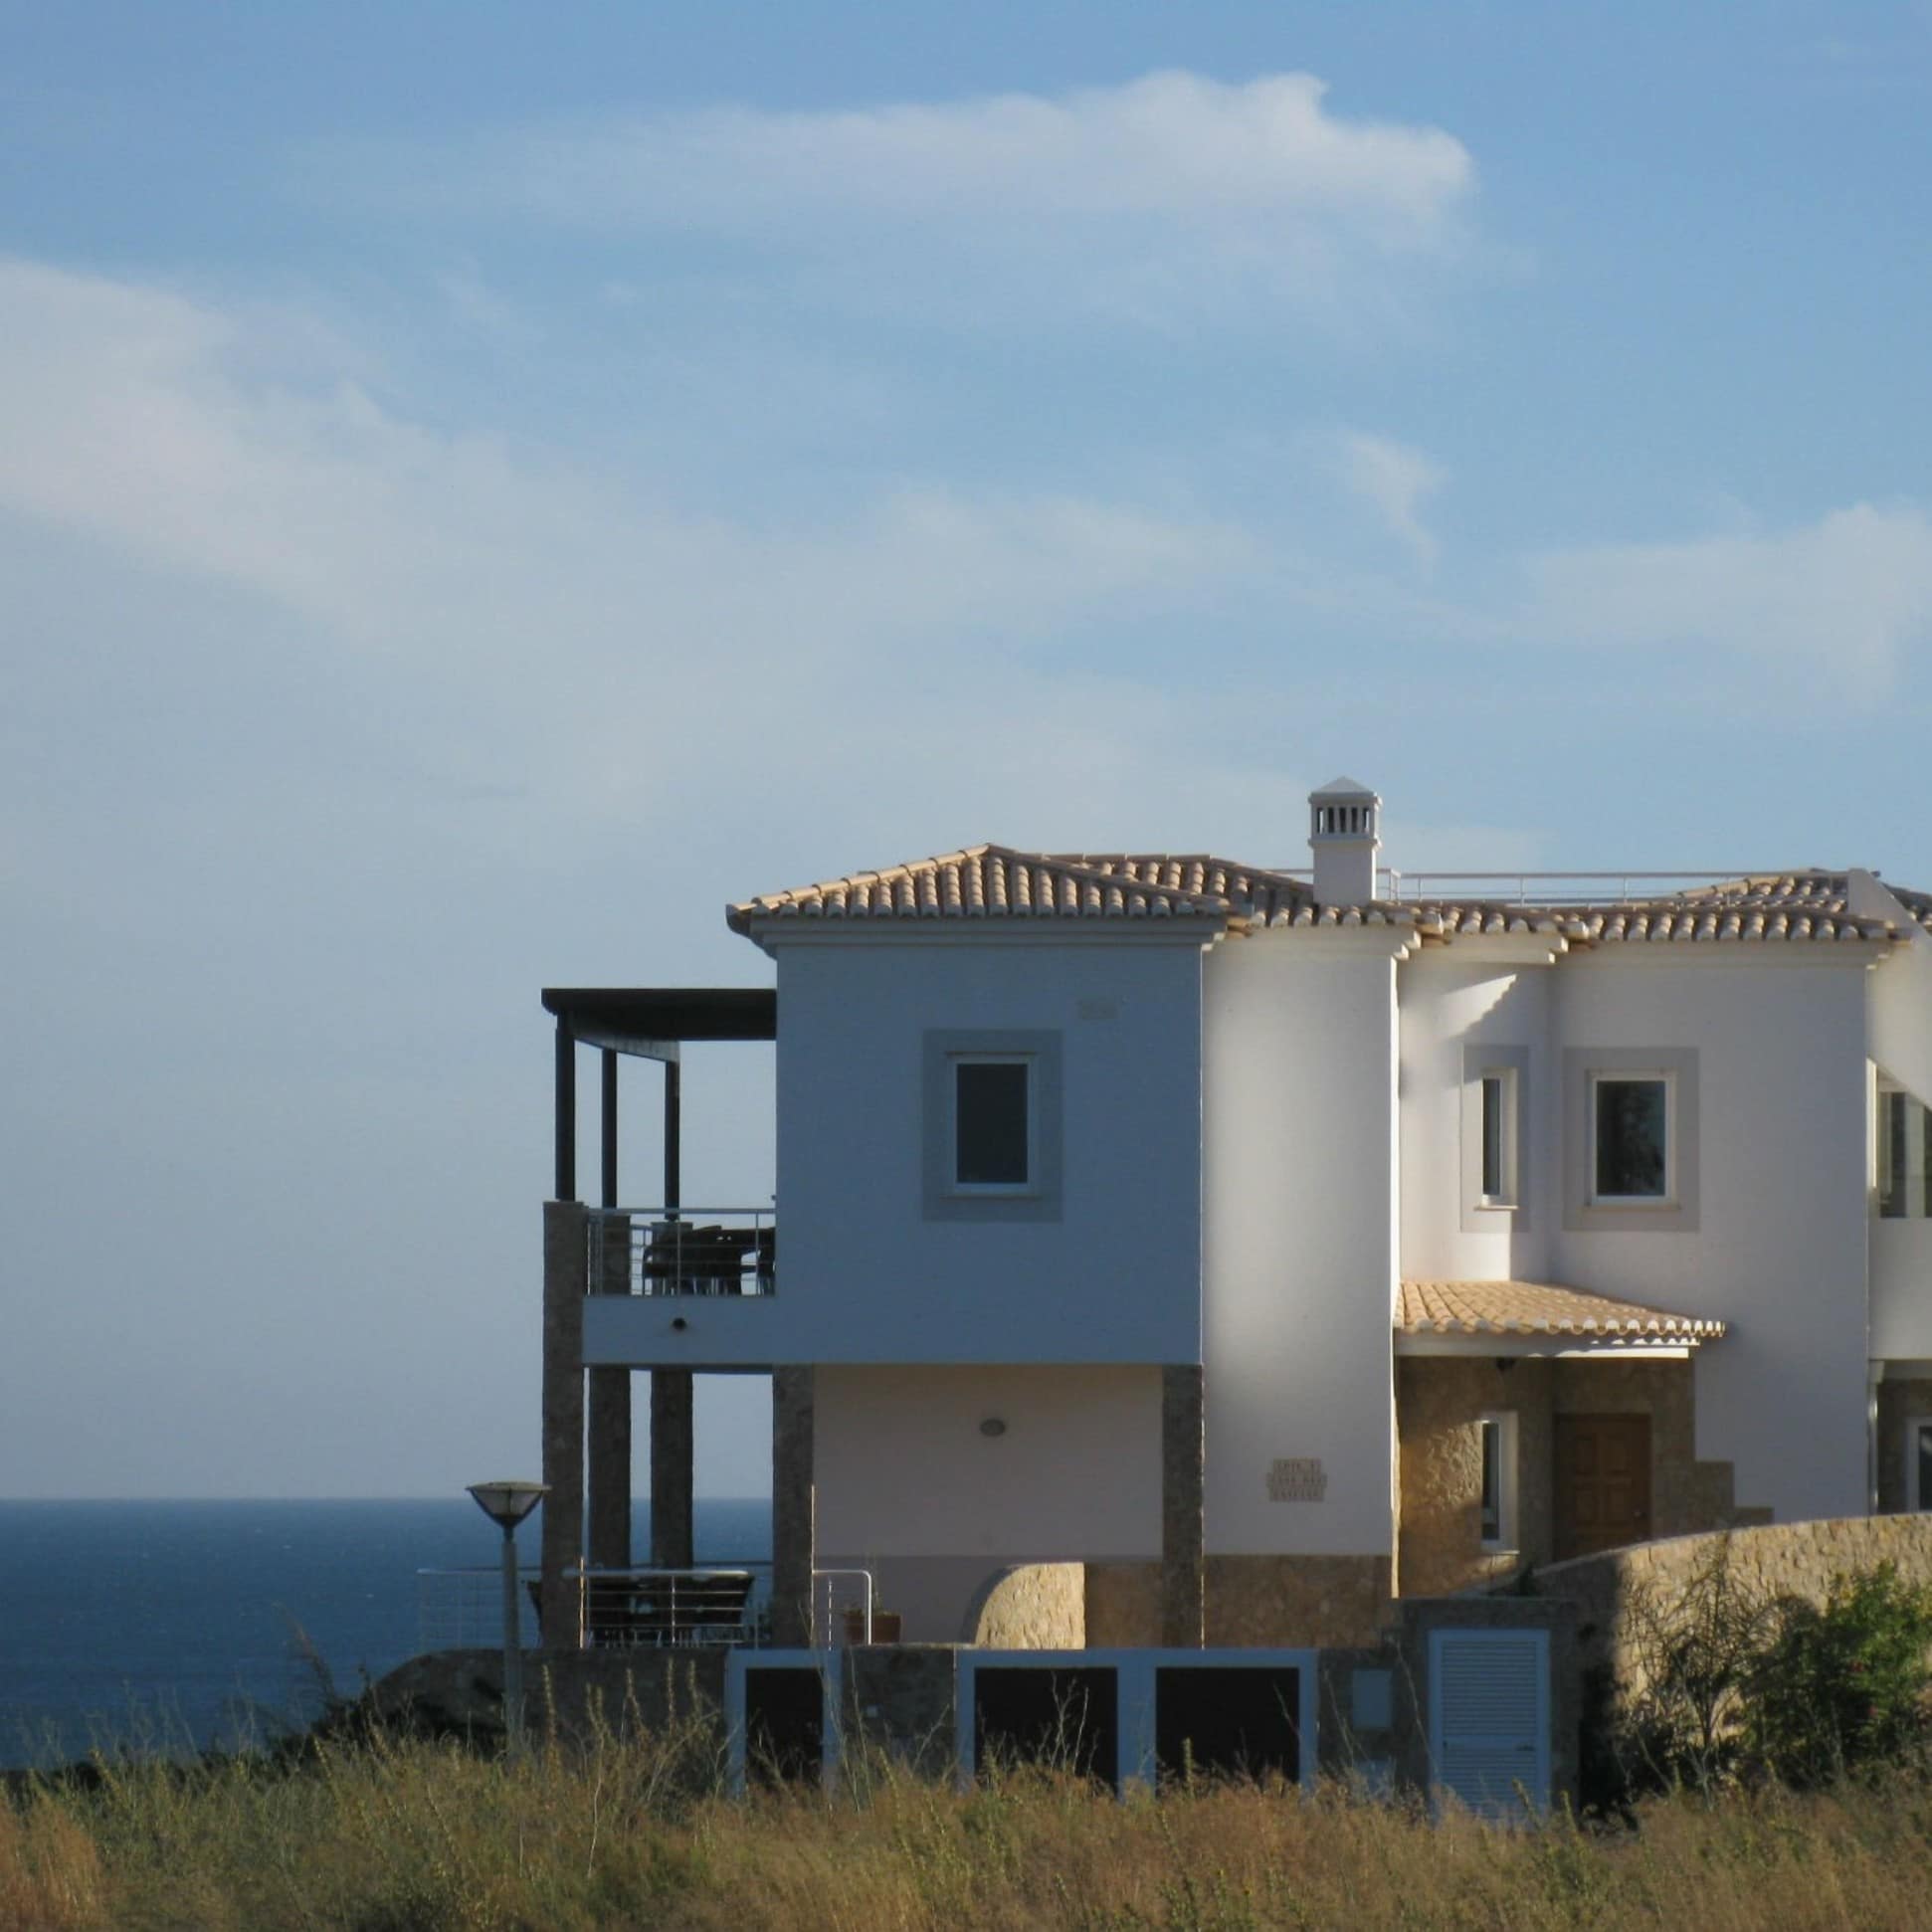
(1844, 1687)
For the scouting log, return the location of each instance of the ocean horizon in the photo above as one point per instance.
(193, 1623)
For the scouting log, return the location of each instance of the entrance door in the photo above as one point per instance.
(1602, 1484)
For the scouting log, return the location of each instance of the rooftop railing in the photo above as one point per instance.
(683, 1252)
(1540, 888)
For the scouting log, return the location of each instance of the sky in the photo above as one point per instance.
(484, 486)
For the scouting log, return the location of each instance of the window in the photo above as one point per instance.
(991, 1125)
(1497, 1435)
(1631, 1139)
(1498, 1135)
(992, 1134)
(1918, 1462)
(1495, 1139)
(1904, 1150)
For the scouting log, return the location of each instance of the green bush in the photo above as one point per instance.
(1844, 1687)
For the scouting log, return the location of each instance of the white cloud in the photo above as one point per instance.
(1151, 197)
(1838, 600)
(1393, 480)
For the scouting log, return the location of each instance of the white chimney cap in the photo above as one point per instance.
(1348, 788)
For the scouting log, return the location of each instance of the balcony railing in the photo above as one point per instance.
(723, 1603)
(682, 1251)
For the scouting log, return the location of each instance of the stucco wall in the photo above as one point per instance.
(1776, 1560)
(1299, 1162)
(1779, 1246)
(909, 1488)
(864, 1276)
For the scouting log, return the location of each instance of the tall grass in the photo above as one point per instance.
(387, 1835)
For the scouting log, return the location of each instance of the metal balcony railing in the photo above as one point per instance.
(727, 1602)
(682, 1251)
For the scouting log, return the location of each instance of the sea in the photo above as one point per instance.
(181, 1627)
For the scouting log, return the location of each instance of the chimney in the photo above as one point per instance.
(1344, 835)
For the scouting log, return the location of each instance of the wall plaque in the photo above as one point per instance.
(1297, 1478)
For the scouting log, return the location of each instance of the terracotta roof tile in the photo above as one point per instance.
(1539, 1308)
(999, 881)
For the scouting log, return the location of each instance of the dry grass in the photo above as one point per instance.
(381, 1835)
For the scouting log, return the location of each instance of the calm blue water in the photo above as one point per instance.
(175, 1624)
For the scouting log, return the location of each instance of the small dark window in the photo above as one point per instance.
(1631, 1146)
(1492, 1136)
(1891, 1155)
(1922, 1471)
(1925, 1163)
(1491, 1481)
(990, 1126)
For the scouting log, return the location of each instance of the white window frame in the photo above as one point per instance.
(1631, 1077)
(1508, 1531)
(1508, 1210)
(1504, 1193)
(1676, 1211)
(1027, 1185)
(1915, 1499)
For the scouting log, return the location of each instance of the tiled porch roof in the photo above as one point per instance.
(1539, 1308)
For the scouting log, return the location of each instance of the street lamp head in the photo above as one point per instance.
(508, 1503)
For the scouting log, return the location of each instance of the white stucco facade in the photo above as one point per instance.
(1255, 1118)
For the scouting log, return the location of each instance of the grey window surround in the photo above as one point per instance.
(1493, 1217)
(1582, 1213)
(945, 1199)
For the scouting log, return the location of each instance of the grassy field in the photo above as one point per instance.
(383, 1836)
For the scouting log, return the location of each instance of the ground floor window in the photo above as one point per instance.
(1918, 1462)
(1498, 1515)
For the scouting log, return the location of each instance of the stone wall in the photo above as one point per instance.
(1776, 1560)
(1252, 1602)
(1031, 1607)
(1897, 1401)
(1438, 1401)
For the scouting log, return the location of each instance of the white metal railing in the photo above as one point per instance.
(1540, 888)
(682, 1251)
(463, 1610)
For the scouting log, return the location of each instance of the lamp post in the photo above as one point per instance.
(507, 1505)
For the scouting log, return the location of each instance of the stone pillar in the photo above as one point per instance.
(671, 1469)
(565, 1255)
(609, 1444)
(1183, 1537)
(794, 1505)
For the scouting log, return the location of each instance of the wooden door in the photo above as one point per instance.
(1602, 1483)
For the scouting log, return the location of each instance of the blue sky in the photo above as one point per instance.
(481, 485)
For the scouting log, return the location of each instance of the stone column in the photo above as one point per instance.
(610, 1418)
(671, 1469)
(565, 1258)
(1183, 1537)
(794, 1504)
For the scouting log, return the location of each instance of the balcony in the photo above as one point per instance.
(681, 1251)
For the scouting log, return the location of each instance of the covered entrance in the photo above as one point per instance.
(1537, 1423)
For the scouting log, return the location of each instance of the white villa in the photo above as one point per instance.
(1273, 1242)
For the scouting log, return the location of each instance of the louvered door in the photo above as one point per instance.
(1489, 1719)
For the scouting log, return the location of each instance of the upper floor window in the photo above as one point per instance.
(992, 1126)
(1903, 1149)
(1629, 1137)
(1630, 1140)
(1495, 1139)
(992, 1123)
